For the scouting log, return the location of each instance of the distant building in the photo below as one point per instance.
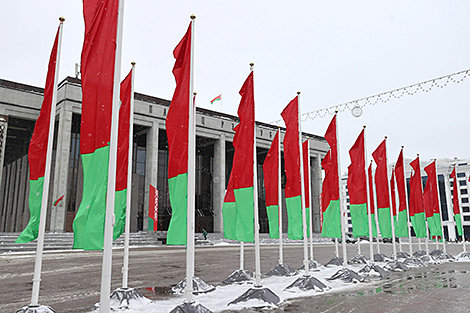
(19, 109)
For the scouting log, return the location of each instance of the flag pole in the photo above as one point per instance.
(371, 240)
(191, 173)
(390, 203)
(279, 194)
(425, 219)
(255, 202)
(440, 209)
(302, 189)
(125, 266)
(111, 187)
(310, 198)
(47, 177)
(406, 203)
(341, 204)
(397, 201)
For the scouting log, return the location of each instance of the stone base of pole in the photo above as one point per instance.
(380, 257)
(358, 259)
(36, 309)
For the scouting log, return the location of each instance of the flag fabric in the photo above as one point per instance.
(56, 202)
(455, 202)
(372, 201)
(97, 64)
(177, 130)
(238, 207)
(431, 201)
(218, 98)
(401, 227)
(271, 186)
(417, 215)
(382, 190)
(290, 114)
(122, 161)
(153, 208)
(38, 150)
(330, 206)
(357, 188)
(306, 166)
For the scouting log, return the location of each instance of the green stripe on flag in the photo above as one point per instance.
(88, 225)
(177, 231)
(419, 224)
(434, 224)
(332, 221)
(229, 214)
(458, 223)
(273, 221)
(35, 198)
(401, 224)
(308, 222)
(244, 223)
(359, 219)
(294, 217)
(385, 222)
(374, 225)
(120, 200)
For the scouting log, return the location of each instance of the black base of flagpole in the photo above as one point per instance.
(306, 283)
(402, 255)
(413, 262)
(199, 286)
(347, 276)
(313, 266)
(429, 259)
(36, 309)
(358, 259)
(396, 266)
(373, 269)
(335, 262)
(127, 298)
(419, 253)
(240, 277)
(282, 270)
(264, 295)
(463, 255)
(190, 307)
(441, 255)
(380, 257)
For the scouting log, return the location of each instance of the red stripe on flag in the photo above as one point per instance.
(416, 189)
(430, 194)
(290, 114)
(357, 184)
(381, 176)
(123, 136)
(401, 183)
(270, 172)
(58, 200)
(455, 196)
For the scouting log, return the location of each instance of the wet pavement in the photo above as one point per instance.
(71, 279)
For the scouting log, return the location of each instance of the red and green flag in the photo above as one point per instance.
(306, 166)
(417, 215)
(218, 98)
(382, 190)
(122, 163)
(177, 130)
(431, 201)
(401, 226)
(357, 188)
(271, 186)
(372, 201)
(38, 150)
(293, 186)
(455, 202)
(97, 73)
(238, 207)
(330, 206)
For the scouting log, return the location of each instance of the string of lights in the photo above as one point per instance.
(355, 106)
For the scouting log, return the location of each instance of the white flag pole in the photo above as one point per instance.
(390, 203)
(279, 194)
(341, 203)
(125, 266)
(47, 177)
(191, 172)
(111, 187)
(440, 209)
(310, 208)
(408, 218)
(369, 213)
(242, 256)
(302, 189)
(397, 201)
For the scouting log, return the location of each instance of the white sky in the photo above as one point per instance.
(332, 51)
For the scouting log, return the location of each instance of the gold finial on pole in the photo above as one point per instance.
(193, 17)
(194, 93)
(364, 126)
(133, 63)
(62, 19)
(298, 92)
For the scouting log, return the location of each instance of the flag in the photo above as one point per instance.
(56, 202)
(122, 161)
(153, 208)
(177, 130)
(330, 206)
(357, 188)
(455, 202)
(218, 98)
(382, 191)
(290, 114)
(38, 150)
(417, 216)
(238, 207)
(271, 186)
(401, 227)
(97, 64)
(306, 166)
(371, 201)
(431, 201)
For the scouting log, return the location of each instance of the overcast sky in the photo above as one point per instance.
(332, 51)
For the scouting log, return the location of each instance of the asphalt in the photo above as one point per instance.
(71, 279)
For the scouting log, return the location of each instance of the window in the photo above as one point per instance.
(466, 218)
(463, 191)
(464, 200)
(461, 174)
(463, 183)
(466, 209)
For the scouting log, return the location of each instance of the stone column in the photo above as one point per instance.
(3, 142)
(61, 166)
(219, 182)
(151, 168)
(316, 191)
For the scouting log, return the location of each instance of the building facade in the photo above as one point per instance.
(19, 108)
